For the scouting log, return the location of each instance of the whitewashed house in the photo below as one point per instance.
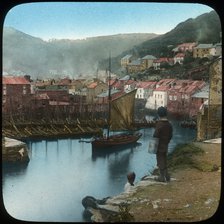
(158, 99)
(179, 58)
(144, 89)
(159, 96)
(129, 85)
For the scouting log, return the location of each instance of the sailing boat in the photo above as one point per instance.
(120, 118)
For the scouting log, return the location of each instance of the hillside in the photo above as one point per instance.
(205, 28)
(36, 57)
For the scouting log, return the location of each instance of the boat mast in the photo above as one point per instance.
(109, 98)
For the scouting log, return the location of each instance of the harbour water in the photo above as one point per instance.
(62, 172)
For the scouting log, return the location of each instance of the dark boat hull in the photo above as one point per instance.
(115, 140)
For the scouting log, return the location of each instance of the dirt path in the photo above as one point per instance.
(193, 196)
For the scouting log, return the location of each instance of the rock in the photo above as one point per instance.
(187, 206)
(208, 201)
(155, 203)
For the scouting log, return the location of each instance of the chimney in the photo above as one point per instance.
(27, 77)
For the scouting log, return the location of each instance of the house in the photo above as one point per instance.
(56, 93)
(203, 50)
(64, 82)
(180, 95)
(16, 93)
(179, 58)
(148, 61)
(75, 86)
(40, 100)
(184, 47)
(102, 98)
(160, 94)
(94, 89)
(136, 66)
(129, 85)
(158, 63)
(218, 49)
(145, 89)
(198, 99)
(126, 60)
(158, 99)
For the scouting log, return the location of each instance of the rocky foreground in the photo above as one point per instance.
(193, 194)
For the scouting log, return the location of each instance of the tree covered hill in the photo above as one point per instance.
(206, 28)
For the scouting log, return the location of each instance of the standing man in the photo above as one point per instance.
(164, 133)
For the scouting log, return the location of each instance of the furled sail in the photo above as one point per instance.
(122, 112)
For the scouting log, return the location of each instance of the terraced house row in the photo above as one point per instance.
(133, 64)
(21, 95)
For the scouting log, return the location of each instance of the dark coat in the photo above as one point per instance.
(163, 131)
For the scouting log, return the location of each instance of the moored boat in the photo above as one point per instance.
(116, 140)
(120, 118)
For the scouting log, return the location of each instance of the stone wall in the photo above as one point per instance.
(209, 120)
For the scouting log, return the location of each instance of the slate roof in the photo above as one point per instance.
(127, 77)
(204, 46)
(149, 57)
(203, 93)
(105, 94)
(136, 62)
(127, 56)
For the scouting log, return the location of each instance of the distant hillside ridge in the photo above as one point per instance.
(39, 58)
(205, 28)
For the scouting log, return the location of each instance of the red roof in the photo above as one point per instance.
(160, 60)
(191, 89)
(92, 85)
(187, 45)
(162, 88)
(165, 81)
(129, 82)
(145, 84)
(180, 55)
(14, 80)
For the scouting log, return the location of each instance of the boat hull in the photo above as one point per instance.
(115, 140)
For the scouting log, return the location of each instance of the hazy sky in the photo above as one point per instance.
(80, 20)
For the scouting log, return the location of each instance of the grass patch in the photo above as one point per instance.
(183, 156)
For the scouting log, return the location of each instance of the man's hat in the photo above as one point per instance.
(162, 111)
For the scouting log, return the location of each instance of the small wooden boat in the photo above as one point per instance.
(116, 140)
(120, 118)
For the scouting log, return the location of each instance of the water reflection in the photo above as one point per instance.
(106, 152)
(16, 168)
(62, 172)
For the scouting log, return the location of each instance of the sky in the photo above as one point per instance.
(73, 20)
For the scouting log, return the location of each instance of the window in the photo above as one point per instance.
(24, 90)
(170, 97)
(175, 97)
(4, 90)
